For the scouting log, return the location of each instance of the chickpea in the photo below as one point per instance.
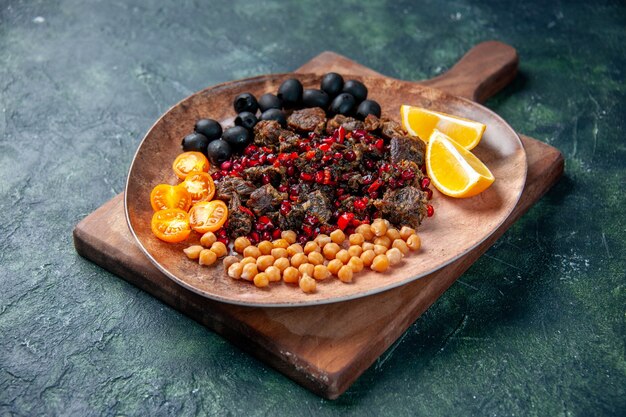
(343, 256)
(414, 242)
(367, 257)
(273, 273)
(291, 275)
(394, 256)
(383, 240)
(282, 263)
(220, 249)
(294, 248)
(279, 253)
(208, 239)
(316, 258)
(334, 266)
(264, 261)
(311, 247)
(367, 246)
(248, 260)
(330, 250)
(193, 252)
(289, 235)
(266, 247)
(249, 272)
(251, 251)
(306, 269)
(380, 263)
(234, 271)
(355, 250)
(345, 274)
(241, 243)
(356, 239)
(307, 284)
(207, 257)
(338, 236)
(401, 245)
(393, 234)
(379, 228)
(356, 264)
(380, 249)
(299, 259)
(366, 231)
(406, 231)
(261, 280)
(322, 240)
(280, 243)
(228, 261)
(320, 272)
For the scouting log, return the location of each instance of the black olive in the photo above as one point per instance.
(275, 114)
(209, 128)
(246, 119)
(269, 101)
(238, 137)
(290, 93)
(357, 89)
(195, 142)
(342, 104)
(332, 83)
(218, 151)
(368, 107)
(245, 102)
(315, 98)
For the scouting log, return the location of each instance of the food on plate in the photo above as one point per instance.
(422, 122)
(454, 170)
(311, 184)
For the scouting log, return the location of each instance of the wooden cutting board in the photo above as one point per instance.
(325, 348)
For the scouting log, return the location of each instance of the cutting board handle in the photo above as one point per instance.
(480, 73)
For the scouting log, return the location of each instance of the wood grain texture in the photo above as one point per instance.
(324, 348)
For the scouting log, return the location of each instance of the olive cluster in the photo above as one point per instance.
(335, 96)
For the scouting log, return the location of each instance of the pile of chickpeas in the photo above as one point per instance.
(376, 246)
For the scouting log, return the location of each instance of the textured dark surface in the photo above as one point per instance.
(536, 327)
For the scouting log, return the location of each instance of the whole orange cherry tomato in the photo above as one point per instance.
(188, 162)
(200, 186)
(208, 216)
(165, 196)
(171, 225)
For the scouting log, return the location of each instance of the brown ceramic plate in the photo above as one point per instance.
(457, 227)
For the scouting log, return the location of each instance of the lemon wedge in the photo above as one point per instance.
(421, 123)
(454, 170)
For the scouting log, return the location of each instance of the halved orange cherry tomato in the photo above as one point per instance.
(171, 225)
(188, 162)
(165, 196)
(208, 216)
(200, 186)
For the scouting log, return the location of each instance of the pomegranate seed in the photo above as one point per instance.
(305, 176)
(271, 158)
(265, 179)
(384, 167)
(349, 156)
(325, 147)
(425, 182)
(407, 174)
(319, 177)
(310, 219)
(226, 165)
(302, 239)
(224, 240)
(344, 219)
(429, 193)
(380, 144)
(222, 233)
(337, 155)
(291, 170)
(430, 210)
(285, 207)
(375, 186)
(326, 158)
(250, 149)
(216, 175)
(309, 155)
(339, 192)
(359, 133)
(283, 188)
(254, 237)
(276, 234)
(282, 157)
(360, 204)
(307, 230)
(293, 155)
(262, 158)
(368, 179)
(237, 166)
(265, 220)
(266, 235)
(369, 164)
(374, 195)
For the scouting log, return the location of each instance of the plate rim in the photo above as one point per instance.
(332, 300)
